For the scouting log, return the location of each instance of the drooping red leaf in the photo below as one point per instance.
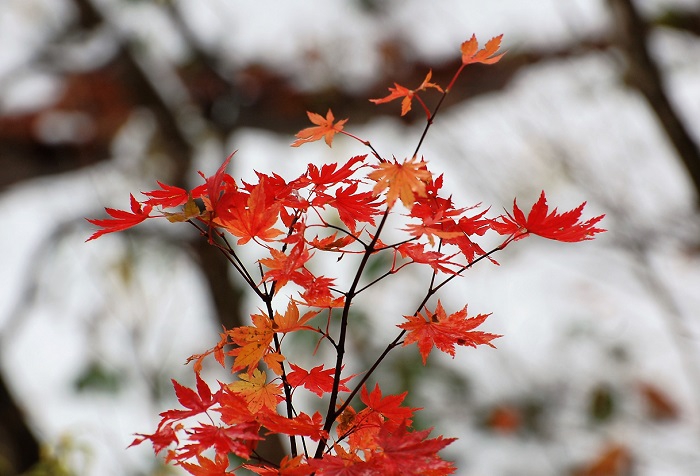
(436, 260)
(330, 174)
(167, 197)
(195, 402)
(540, 221)
(121, 219)
(163, 437)
(300, 425)
(236, 439)
(402, 452)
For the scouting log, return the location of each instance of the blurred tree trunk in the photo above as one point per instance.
(644, 75)
(19, 449)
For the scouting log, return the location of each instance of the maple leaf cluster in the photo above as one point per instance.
(342, 209)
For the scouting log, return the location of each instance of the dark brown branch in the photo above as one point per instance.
(644, 75)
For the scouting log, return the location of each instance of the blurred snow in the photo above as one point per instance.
(565, 312)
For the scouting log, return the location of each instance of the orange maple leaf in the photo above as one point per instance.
(324, 129)
(285, 267)
(257, 392)
(253, 341)
(207, 467)
(274, 360)
(404, 181)
(291, 321)
(399, 91)
(487, 55)
(437, 329)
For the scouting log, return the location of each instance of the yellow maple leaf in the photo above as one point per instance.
(253, 341)
(256, 391)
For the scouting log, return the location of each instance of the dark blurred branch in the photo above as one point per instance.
(680, 19)
(19, 449)
(644, 75)
(254, 96)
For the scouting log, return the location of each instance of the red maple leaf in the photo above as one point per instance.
(317, 292)
(288, 467)
(207, 467)
(249, 217)
(195, 402)
(233, 407)
(342, 463)
(215, 187)
(400, 452)
(300, 425)
(351, 205)
(316, 380)
(283, 268)
(331, 242)
(416, 252)
(389, 407)
(121, 219)
(167, 197)
(324, 129)
(164, 436)
(330, 174)
(236, 439)
(540, 221)
(444, 332)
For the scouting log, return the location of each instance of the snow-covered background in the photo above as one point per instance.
(588, 328)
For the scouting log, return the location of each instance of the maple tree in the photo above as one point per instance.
(341, 209)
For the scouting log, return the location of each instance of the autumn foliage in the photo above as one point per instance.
(342, 209)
